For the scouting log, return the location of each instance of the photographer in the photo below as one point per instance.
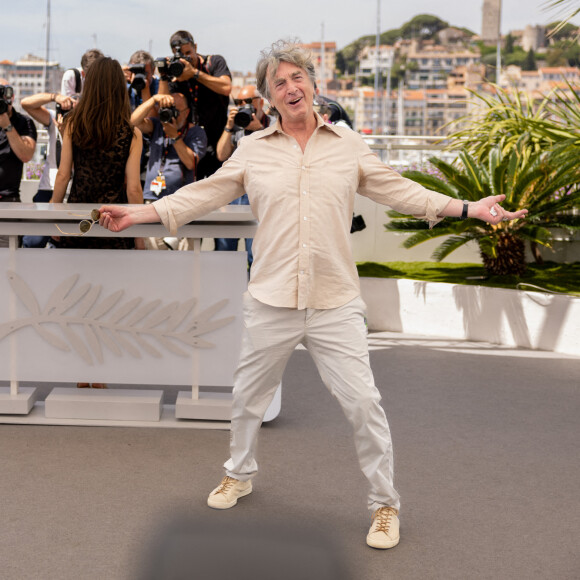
(206, 82)
(244, 118)
(139, 72)
(73, 79)
(177, 145)
(17, 145)
(52, 120)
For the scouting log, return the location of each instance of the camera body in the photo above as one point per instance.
(357, 224)
(63, 112)
(171, 65)
(139, 81)
(6, 94)
(244, 115)
(167, 114)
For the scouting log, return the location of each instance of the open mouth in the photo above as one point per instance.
(295, 101)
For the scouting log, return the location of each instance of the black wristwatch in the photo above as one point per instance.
(464, 212)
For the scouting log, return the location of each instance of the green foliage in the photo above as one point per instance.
(569, 7)
(551, 276)
(561, 31)
(543, 182)
(556, 57)
(530, 61)
(517, 57)
(424, 26)
(507, 116)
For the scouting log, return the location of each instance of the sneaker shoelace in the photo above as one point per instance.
(383, 518)
(225, 485)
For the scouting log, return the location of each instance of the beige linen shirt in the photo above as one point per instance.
(303, 202)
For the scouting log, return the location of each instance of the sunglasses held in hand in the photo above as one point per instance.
(85, 225)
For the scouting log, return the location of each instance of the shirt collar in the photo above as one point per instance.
(277, 127)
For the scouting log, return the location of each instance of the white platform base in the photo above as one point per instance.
(217, 406)
(19, 404)
(37, 417)
(109, 404)
(208, 407)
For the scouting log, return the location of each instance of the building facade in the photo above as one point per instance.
(31, 75)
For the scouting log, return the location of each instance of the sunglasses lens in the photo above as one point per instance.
(95, 215)
(85, 226)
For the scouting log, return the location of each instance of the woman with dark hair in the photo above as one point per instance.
(104, 148)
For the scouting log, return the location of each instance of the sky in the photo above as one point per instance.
(237, 30)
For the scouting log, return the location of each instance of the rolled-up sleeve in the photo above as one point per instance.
(384, 185)
(197, 199)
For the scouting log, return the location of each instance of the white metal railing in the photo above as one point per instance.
(404, 151)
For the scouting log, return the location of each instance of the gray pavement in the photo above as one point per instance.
(486, 461)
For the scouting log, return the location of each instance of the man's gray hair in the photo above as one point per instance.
(141, 57)
(282, 51)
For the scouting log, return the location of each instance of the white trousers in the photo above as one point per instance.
(337, 341)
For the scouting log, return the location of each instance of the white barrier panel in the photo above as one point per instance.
(121, 316)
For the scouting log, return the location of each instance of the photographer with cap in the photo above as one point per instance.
(176, 147)
(244, 118)
(206, 82)
(17, 145)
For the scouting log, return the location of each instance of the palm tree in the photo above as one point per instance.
(546, 183)
(501, 120)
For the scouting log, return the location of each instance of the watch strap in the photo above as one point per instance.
(464, 211)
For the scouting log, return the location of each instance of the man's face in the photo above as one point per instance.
(189, 50)
(292, 92)
(247, 96)
(181, 105)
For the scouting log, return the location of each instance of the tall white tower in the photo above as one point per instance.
(490, 19)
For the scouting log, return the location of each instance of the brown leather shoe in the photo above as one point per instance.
(83, 385)
(99, 386)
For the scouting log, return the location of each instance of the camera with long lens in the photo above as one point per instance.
(139, 81)
(244, 115)
(6, 94)
(171, 66)
(167, 114)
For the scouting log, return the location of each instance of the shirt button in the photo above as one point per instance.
(304, 193)
(305, 218)
(303, 167)
(302, 271)
(304, 245)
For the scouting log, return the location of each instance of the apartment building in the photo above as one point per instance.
(541, 80)
(413, 112)
(324, 57)
(27, 76)
(429, 66)
(371, 58)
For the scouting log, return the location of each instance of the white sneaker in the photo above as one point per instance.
(384, 532)
(226, 494)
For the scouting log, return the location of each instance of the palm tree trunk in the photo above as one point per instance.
(510, 259)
